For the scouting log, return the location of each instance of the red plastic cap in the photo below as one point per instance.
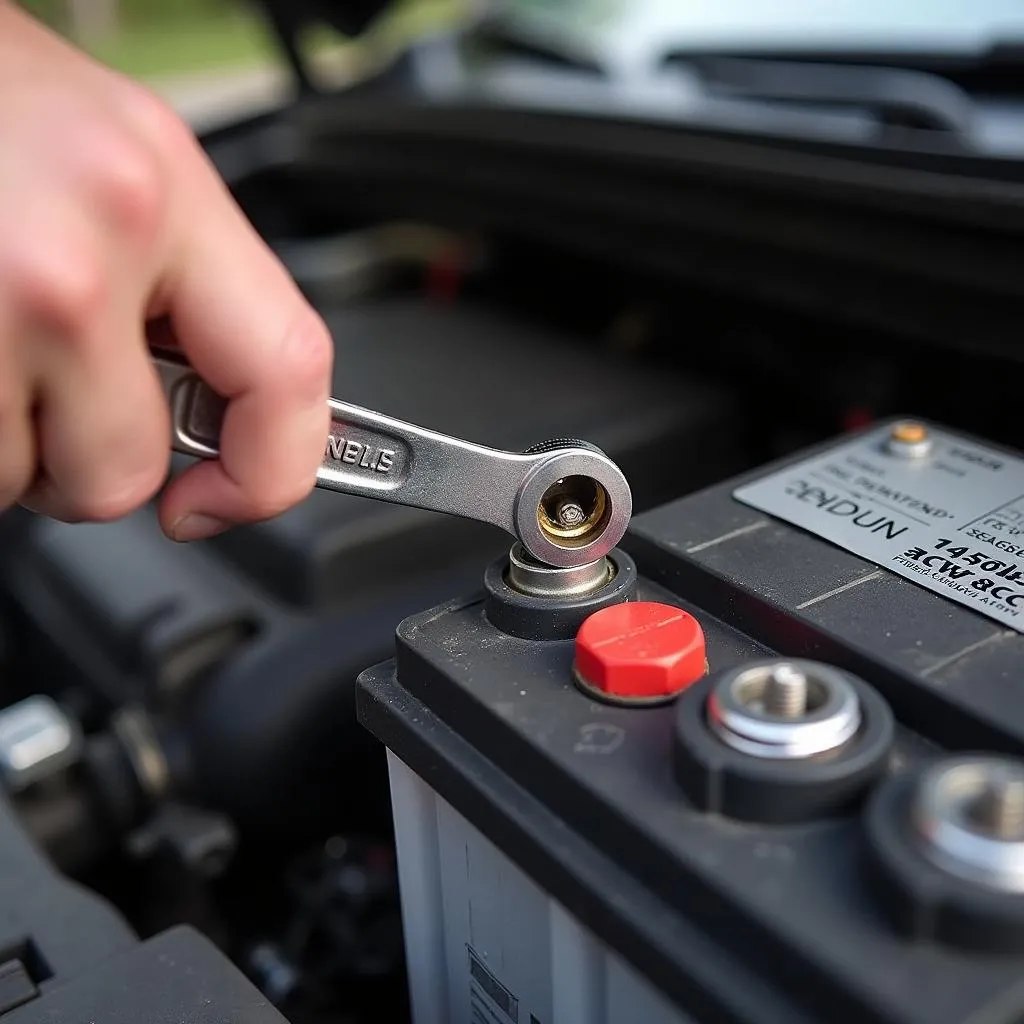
(640, 650)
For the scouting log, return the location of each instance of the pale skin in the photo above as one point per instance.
(114, 225)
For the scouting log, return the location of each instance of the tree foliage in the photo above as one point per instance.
(64, 14)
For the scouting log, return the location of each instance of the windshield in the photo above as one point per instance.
(628, 35)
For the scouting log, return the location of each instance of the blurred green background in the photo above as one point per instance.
(159, 38)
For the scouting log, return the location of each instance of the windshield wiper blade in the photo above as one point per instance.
(899, 98)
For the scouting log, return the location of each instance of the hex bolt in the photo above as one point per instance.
(570, 514)
(572, 509)
(785, 692)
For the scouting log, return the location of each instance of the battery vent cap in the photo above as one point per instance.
(639, 652)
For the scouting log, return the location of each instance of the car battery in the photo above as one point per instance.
(759, 767)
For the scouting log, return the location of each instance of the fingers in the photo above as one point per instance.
(111, 215)
(249, 333)
(102, 431)
(17, 440)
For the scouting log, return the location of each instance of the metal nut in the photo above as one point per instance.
(784, 710)
(529, 576)
(968, 813)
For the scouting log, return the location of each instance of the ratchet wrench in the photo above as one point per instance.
(565, 501)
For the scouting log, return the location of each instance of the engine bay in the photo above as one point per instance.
(178, 728)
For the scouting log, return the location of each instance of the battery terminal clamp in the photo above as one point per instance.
(780, 741)
(533, 601)
(564, 501)
(945, 852)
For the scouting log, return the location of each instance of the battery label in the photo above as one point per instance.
(490, 1001)
(947, 514)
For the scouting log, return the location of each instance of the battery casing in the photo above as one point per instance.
(484, 940)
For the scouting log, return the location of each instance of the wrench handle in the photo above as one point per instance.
(366, 453)
(369, 455)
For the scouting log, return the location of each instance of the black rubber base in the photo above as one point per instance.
(623, 702)
(922, 901)
(724, 781)
(546, 618)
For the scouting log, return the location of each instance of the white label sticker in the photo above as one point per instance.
(946, 513)
(490, 1001)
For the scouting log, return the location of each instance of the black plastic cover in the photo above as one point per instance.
(51, 926)
(176, 976)
(68, 956)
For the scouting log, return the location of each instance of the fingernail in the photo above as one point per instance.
(196, 526)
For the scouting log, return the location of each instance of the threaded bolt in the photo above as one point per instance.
(999, 809)
(570, 514)
(785, 692)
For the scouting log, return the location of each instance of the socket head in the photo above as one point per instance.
(573, 507)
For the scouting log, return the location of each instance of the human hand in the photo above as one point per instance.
(112, 219)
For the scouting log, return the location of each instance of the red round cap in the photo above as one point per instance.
(640, 650)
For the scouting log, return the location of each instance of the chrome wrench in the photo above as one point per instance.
(565, 501)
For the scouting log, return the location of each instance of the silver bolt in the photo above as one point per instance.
(968, 812)
(999, 809)
(785, 692)
(570, 514)
(784, 711)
